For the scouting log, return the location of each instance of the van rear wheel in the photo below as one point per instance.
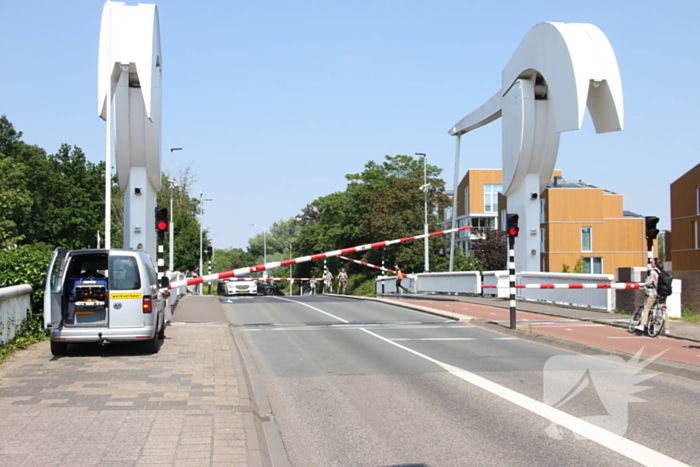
(152, 345)
(59, 348)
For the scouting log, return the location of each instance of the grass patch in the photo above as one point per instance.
(689, 316)
(31, 332)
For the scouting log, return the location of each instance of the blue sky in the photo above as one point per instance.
(275, 102)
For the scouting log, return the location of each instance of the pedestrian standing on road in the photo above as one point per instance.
(399, 275)
(197, 287)
(312, 285)
(188, 275)
(342, 281)
(654, 269)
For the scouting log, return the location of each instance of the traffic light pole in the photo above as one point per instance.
(511, 278)
(161, 259)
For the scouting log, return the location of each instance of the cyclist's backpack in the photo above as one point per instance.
(664, 285)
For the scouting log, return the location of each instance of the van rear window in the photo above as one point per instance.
(124, 273)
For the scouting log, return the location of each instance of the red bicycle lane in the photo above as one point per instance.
(574, 330)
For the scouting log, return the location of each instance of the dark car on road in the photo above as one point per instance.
(268, 288)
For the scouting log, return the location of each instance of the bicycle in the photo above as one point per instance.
(657, 318)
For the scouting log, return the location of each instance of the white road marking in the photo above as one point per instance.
(605, 438)
(505, 338)
(617, 443)
(314, 308)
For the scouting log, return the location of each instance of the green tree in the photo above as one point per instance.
(22, 170)
(384, 202)
(186, 223)
(71, 201)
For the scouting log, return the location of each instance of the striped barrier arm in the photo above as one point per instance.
(617, 285)
(367, 264)
(304, 259)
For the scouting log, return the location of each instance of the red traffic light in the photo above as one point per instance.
(512, 224)
(650, 224)
(161, 219)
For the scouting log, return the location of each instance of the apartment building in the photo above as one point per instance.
(578, 220)
(685, 221)
(477, 204)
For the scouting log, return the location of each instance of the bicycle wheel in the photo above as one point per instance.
(656, 323)
(636, 318)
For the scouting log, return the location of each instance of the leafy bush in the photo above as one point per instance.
(26, 264)
(361, 285)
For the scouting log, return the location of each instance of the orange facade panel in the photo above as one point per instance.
(684, 194)
(685, 221)
(474, 182)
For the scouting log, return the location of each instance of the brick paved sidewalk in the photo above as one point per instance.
(116, 406)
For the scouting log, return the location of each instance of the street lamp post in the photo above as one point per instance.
(201, 231)
(264, 242)
(171, 227)
(290, 269)
(425, 188)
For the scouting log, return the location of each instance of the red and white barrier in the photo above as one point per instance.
(275, 279)
(368, 264)
(304, 259)
(617, 285)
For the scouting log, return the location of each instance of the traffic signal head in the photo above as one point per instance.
(512, 228)
(652, 231)
(161, 219)
(210, 251)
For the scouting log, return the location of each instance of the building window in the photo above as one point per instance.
(543, 240)
(543, 215)
(491, 197)
(447, 216)
(698, 199)
(695, 235)
(593, 265)
(586, 239)
(466, 201)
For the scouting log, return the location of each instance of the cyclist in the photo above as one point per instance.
(328, 281)
(342, 280)
(650, 285)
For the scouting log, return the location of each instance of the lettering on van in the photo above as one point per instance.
(125, 296)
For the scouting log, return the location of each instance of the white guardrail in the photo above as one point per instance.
(471, 282)
(592, 298)
(175, 294)
(15, 305)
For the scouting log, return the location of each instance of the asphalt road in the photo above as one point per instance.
(369, 384)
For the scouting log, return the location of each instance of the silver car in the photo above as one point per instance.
(103, 296)
(241, 285)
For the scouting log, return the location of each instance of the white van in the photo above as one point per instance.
(103, 296)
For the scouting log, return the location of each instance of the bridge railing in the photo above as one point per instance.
(15, 305)
(592, 298)
(470, 282)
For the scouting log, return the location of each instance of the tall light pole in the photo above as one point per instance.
(171, 227)
(290, 269)
(425, 188)
(201, 231)
(264, 242)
